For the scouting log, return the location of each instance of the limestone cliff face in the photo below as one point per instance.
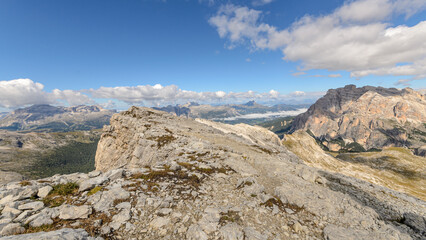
(373, 117)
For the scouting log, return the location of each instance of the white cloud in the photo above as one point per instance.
(261, 2)
(248, 60)
(150, 95)
(404, 82)
(274, 94)
(298, 93)
(329, 76)
(356, 37)
(21, 92)
(71, 97)
(296, 74)
(334, 76)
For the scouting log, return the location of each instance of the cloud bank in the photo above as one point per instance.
(357, 37)
(23, 92)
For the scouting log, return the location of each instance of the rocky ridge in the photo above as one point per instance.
(164, 177)
(372, 117)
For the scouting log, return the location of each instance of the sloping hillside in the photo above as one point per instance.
(394, 168)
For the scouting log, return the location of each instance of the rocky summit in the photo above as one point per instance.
(369, 117)
(159, 176)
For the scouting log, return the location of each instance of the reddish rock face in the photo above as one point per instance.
(374, 117)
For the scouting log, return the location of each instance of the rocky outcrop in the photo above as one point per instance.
(164, 177)
(372, 117)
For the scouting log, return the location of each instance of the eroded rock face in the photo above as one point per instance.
(373, 117)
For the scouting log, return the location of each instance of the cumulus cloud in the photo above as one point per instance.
(20, 92)
(161, 95)
(73, 98)
(356, 37)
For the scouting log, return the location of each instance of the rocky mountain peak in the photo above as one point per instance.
(373, 117)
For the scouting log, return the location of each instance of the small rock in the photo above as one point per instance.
(93, 174)
(297, 227)
(35, 206)
(124, 205)
(164, 211)
(91, 183)
(10, 212)
(23, 216)
(195, 232)
(44, 191)
(115, 174)
(289, 211)
(105, 230)
(12, 229)
(75, 224)
(120, 219)
(73, 212)
(231, 231)
(251, 234)
(41, 220)
(159, 222)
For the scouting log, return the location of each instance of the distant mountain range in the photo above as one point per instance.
(51, 118)
(195, 110)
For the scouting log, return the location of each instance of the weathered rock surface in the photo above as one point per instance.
(179, 178)
(395, 168)
(373, 117)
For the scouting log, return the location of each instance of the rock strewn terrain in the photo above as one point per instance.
(373, 117)
(396, 168)
(165, 177)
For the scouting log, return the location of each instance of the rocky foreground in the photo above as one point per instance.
(164, 177)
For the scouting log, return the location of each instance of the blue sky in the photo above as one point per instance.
(96, 51)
